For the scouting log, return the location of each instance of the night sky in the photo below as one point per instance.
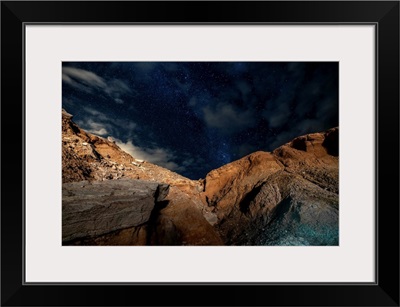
(192, 117)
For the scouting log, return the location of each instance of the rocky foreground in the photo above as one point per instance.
(286, 197)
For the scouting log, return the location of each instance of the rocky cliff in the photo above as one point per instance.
(179, 219)
(91, 209)
(286, 197)
(289, 196)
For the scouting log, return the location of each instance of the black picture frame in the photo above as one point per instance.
(383, 14)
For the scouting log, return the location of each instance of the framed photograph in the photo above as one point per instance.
(153, 157)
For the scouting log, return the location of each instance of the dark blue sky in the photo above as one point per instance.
(192, 117)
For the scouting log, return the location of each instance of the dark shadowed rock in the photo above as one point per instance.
(182, 223)
(331, 142)
(91, 209)
(287, 197)
(128, 236)
(100, 159)
(289, 210)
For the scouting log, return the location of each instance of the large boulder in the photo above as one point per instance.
(287, 197)
(91, 209)
(181, 222)
(225, 187)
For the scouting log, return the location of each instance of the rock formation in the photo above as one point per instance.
(97, 159)
(286, 197)
(90, 209)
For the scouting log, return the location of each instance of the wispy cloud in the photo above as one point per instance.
(74, 75)
(96, 128)
(93, 112)
(228, 118)
(277, 111)
(157, 155)
(304, 101)
(244, 88)
(90, 82)
(99, 123)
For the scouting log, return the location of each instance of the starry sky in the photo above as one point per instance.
(192, 117)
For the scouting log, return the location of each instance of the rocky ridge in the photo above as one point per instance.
(91, 209)
(295, 185)
(87, 157)
(286, 197)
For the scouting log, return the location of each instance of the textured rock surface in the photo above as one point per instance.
(182, 223)
(228, 184)
(284, 210)
(100, 159)
(129, 236)
(91, 209)
(287, 197)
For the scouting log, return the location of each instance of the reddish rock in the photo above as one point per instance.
(286, 197)
(91, 209)
(226, 186)
(184, 221)
(248, 195)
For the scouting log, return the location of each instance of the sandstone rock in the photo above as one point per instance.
(129, 236)
(91, 209)
(286, 206)
(211, 218)
(319, 163)
(227, 185)
(86, 160)
(331, 141)
(287, 197)
(74, 167)
(182, 223)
